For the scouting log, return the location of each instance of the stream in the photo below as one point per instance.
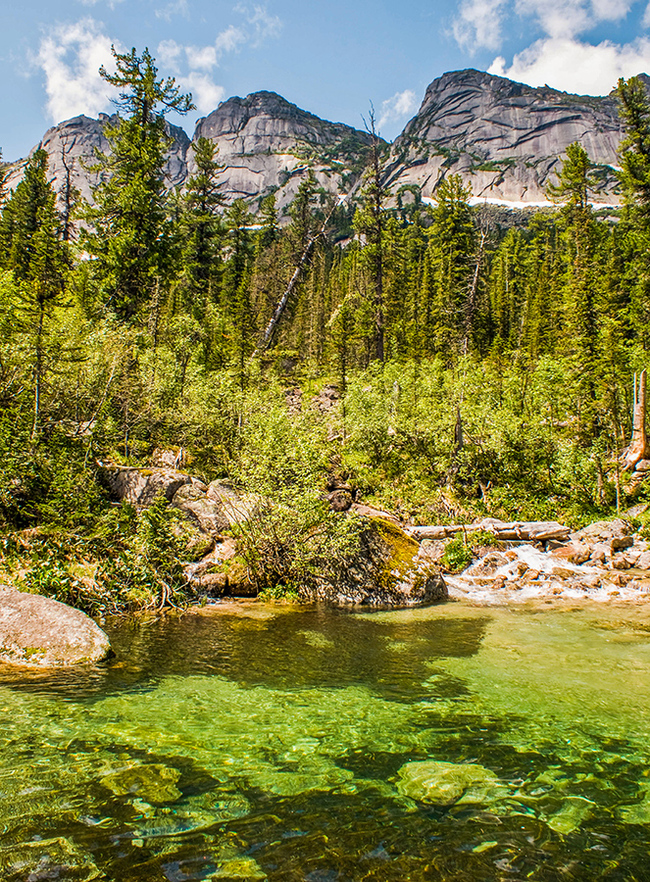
(245, 741)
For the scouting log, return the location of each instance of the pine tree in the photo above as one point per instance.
(235, 294)
(38, 261)
(131, 238)
(370, 221)
(202, 226)
(634, 108)
(452, 241)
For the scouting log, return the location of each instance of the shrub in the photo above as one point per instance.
(457, 555)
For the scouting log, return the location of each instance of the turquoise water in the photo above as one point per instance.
(253, 742)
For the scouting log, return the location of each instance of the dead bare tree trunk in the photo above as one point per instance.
(638, 448)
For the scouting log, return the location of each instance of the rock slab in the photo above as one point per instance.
(36, 630)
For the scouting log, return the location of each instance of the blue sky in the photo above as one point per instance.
(331, 57)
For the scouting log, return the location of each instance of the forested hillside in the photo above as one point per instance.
(482, 358)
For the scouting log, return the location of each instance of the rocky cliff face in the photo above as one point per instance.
(265, 144)
(268, 144)
(71, 145)
(506, 139)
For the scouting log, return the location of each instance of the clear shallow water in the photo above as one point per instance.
(267, 742)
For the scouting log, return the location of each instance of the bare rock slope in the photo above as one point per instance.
(504, 138)
(267, 144)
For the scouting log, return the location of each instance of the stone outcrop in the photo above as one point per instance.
(72, 145)
(140, 486)
(505, 139)
(269, 145)
(36, 630)
(266, 145)
(387, 571)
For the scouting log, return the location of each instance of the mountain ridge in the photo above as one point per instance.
(504, 138)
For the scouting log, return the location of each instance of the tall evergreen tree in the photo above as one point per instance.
(634, 108)
(370, 221)
(452, 241)
(38, 261)
(131, 238)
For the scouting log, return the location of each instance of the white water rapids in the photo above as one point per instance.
(526, 573)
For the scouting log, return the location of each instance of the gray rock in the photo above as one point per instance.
(340, 500)
(207, 512)
(387, 571)
(74, 143)
(141, 486)
(269, 145)
(449, 783)
(36, 630)
(237, 507)
(643, 561)
(505, 139)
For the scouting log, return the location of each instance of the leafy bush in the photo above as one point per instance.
(457, 555)
(297, 545)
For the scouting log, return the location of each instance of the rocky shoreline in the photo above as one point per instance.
(395, 565)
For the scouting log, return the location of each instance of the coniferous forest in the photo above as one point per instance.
(481, 359)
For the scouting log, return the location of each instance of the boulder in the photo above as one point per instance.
(386, 571)
(236, 507)
(169, 458)
(152, 782)
(340, 500)
(36, 630)
(141, 486)
(207, 512)
(574, 552)
(43, 859)
(449, 783)
(604, 531)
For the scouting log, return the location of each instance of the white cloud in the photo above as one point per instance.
(262, 24)
(575, 66)
(168, 54)
(479, 24)
(201, 58)
(176, 7)
(400, 105)
(229, 40)
(646, 17)
(110, 3)
(193, 65)
(205, 93)
(70, 57)
(567, 18)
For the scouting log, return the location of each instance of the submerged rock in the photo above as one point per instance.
(574, 811)
(151, 782)
(36, 630)
(449, 783)
(46, 859)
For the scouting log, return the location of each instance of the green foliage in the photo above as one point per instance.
(457, 555)
(482, 360)
(130, 236)
(298, 545)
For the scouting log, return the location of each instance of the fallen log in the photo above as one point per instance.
(517, 531)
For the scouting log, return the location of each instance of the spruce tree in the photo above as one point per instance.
(131, 237)
(370, 221)
(38, 261)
